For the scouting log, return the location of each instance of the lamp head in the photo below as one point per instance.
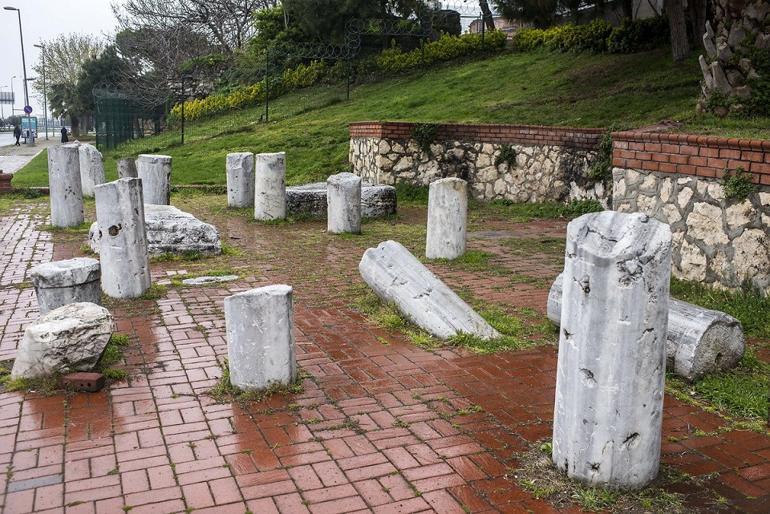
(8, 8)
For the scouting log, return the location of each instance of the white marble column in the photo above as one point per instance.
(447, 218)
(155, 172)
(240, 179)
(343, 200)
(66, 193)
(127, 168)
(123, 245)
(270, 186)
(91, 168)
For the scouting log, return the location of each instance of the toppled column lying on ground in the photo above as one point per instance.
(240, 179)
(123, 246)
(447, 217)
(612, 354)
(343, 200)
(70, 281)
(127, 168)
(91, 168)
(398, 277)
(260, 342)
(155, 172)
(270, 186)
(698, 341)
(70, 338)
(66, 192)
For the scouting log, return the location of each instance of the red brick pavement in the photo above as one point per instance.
(376, 429)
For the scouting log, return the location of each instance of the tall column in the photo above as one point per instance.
(612, 349)
(343, 200)
(127, 168)
(447, 218)
(155, 172)
(91, 168)
(270, 186)
(240, 179)
(260, 343)
(64, 184)
(123, 245)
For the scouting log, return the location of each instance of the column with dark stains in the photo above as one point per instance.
(123, 245)
(612, 349)
(66, 190)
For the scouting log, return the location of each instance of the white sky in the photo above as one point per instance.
(43, 20)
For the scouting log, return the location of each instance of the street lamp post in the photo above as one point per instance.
(45, 96)
(23, 59)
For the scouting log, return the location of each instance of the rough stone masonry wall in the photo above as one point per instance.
(676, 178)
(551, 163)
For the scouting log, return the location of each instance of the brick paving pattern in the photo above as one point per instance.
(377, 428)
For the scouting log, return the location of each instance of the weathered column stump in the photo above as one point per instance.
(65, 188)
(343, 201)
(240, 179)
(155, 172)
(447, 218)
(260, 343)
(123, 245)
(127, 168)
(612, 350)
(270, 186)
(91, 168)
(59, 283)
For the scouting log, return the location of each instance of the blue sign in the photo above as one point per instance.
(28, 109)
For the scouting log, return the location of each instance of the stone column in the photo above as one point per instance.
(64, 185)
(260, 343)
(270, 186)
(91, 168)
(343, 201)
(612, 349)
(60, 283)
(123, 246)
(155, 172)
(240, 179)
(447, 217)
(127, 168)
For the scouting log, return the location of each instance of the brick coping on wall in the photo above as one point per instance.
(584, 139)
(675, 153)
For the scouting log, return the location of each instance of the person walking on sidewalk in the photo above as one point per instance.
(17, 134)
(64, 138)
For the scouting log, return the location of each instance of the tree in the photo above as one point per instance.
(680, 43)
(486, 14)
(539, 12)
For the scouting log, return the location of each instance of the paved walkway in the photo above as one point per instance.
(382, 425)
(13, 158)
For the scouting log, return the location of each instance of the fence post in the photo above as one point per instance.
(183, 120)
(267, 84)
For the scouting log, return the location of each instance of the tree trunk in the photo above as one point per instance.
(486, 13)
(628, 8)
(75, 121)
(680, 43)
(697, 17)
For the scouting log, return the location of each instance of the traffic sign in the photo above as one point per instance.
(28, 109)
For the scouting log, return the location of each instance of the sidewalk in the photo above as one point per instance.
(13, 158)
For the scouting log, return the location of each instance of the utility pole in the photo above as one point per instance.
(23, 59)
(45, 95)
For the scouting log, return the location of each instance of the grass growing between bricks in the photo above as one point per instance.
(225, 392)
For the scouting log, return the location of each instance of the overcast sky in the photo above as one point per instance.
(43, 20)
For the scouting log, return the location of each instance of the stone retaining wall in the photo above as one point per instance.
(676, 178)
(551, 163)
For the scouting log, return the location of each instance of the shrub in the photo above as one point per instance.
(638, 35)
(425, 135)
(738, 185)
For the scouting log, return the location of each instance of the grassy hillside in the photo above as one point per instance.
(531, 88)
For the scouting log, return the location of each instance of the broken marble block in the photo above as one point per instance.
(91, 168)
(170, 230)
(203, 281)
(260, 342)
(270, 186)
(70, 281)
(447, 219)
(310, 200)
(240, 179)
(612, 350)
(398, 277)
(127, 168)
(155, 172)
(344, 204)
(70, 338)
(698, 341)
(66, 190)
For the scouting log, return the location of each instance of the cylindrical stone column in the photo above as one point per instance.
(91, 168)
(612, 349)
(343, 201)
(127, 168)
(66, 191)
(240, 179)
(60, 283)
(123, 245)
(447, 218)
(155, 172)
(260, 343)
(270, 186)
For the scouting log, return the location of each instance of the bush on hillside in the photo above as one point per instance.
(596, 37)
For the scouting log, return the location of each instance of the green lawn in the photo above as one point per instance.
(545, 88)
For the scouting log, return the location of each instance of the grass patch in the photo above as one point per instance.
(523, 212)
(155, 292)
(113, 354)
(225, 392)
(408, 194)
(83, 228)
(187, 256)
(471, 260)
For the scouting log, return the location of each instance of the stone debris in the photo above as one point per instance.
(698, 341)
(70, 281)
(310, 200)
(260, 342)
(171, 230)
(343, 199)
(270, 186)
(67, 339)
(447, 219)
(398, 277)
(91, 168)
(612, 354)
(66, 190)
(202, 281)
(155, 172)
